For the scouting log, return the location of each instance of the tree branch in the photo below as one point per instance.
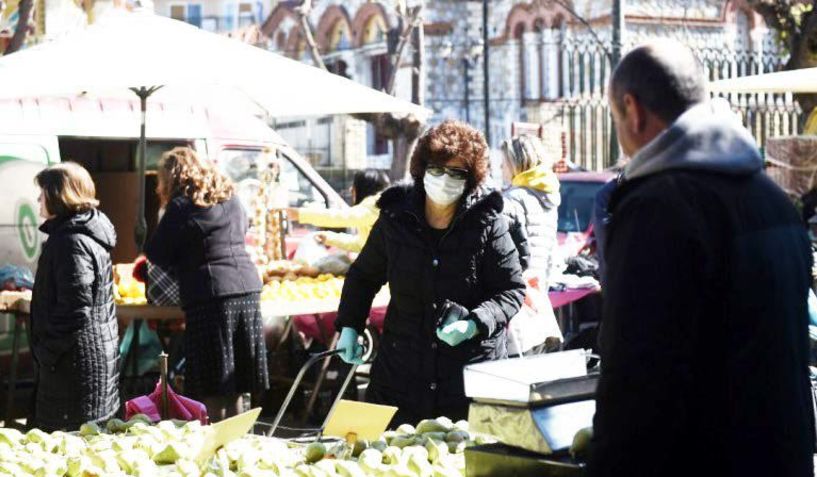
(414, 20)
(21, 31)
(306, 28)
(587, 25)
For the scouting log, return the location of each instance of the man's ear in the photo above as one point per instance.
(634, 113)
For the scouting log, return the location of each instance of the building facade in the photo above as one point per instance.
(549, 63)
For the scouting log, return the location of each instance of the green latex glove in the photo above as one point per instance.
(456, 332)
(352, 350)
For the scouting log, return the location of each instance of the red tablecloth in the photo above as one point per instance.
(321, 326)
(559, 299)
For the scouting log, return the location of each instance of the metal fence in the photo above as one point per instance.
(585, 114)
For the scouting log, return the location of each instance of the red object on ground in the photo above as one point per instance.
(178, 406)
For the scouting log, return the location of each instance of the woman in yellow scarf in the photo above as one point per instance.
(531, 203)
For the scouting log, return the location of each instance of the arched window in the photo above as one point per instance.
(554, 60)
(743, 32)
(374, 30)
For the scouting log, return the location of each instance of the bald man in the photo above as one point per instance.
(704, 342)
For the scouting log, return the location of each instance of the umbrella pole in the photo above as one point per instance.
(165, 414)
(140, 232)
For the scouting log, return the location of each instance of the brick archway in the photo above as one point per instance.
(733, 7)
(362, 17)
(326, 25)
(276, 17)
(526, 15)
(296, 44)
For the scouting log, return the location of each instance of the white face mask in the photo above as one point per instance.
(443, 190)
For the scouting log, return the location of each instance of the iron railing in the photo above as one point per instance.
(584, 114)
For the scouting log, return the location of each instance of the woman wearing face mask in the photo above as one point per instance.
(442, 245)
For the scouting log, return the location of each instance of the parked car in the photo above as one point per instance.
(578, 191)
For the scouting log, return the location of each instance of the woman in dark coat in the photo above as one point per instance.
(74, 333)
(201, 237)
(442, 245)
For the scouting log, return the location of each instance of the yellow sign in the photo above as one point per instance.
(361, 419)
(227, 430)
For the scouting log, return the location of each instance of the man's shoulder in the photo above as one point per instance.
(690, 185)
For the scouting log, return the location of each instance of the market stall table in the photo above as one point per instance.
(17, 304)
(562, 302)
(301, 313)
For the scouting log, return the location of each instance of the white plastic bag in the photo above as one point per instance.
(309, 251)
(534, 323)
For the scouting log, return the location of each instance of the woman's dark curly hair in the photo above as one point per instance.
(446, 141)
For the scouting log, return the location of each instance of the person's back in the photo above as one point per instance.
(704, 341)
(736, 346)
(540, 212)
(210, 252)
(531, 203)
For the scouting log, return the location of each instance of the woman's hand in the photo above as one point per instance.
(456, 332)
(454, 325)
(320, 237)
(348, 343)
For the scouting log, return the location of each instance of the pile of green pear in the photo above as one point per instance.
(434, 448)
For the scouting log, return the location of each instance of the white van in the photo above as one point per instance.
(102, 135)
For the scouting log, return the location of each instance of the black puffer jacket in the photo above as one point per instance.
(475, 265)
(205, 246)
(74, 333)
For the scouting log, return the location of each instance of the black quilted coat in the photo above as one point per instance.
(74, 333)
(475, 264)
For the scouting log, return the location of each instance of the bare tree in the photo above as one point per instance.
(795, 23)
(403, 131)
(24, 9)
(303, 11)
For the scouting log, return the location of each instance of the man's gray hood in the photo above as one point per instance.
(707, 137)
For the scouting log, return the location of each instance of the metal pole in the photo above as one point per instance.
(418, 87)
(486, 85)
(165, 413)
(140, 232)
(466, 66)
(618, 30)
(617, 35)
(141, 223)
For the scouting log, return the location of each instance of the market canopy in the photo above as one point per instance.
(793, 81)
(154, 56)
(140, 49)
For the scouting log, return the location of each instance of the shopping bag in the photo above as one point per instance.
(179, 407)
(534, 323)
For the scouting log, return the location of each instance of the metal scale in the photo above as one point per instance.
(534, 406)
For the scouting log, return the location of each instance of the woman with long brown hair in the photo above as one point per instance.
(201, 237)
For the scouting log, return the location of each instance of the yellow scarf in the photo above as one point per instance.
(540, 178)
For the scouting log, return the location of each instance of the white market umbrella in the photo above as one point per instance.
(792, 81)
(153, 55)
